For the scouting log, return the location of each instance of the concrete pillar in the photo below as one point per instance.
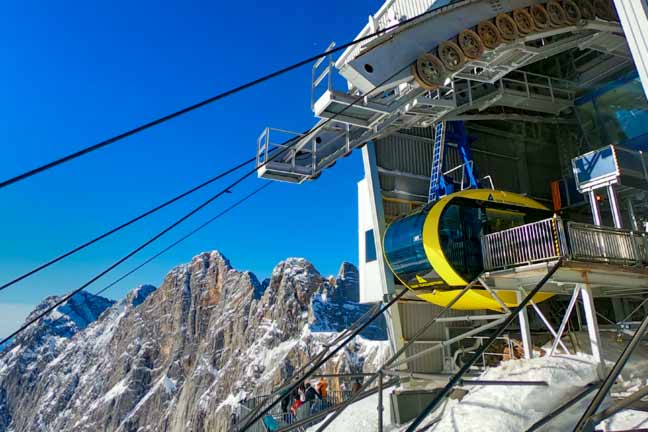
(386, 278)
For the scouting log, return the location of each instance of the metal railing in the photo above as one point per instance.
(286, 418)
(605, 244)
(526, 244)
(534, 86)
(550, 239)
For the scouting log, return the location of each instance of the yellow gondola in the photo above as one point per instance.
(436, 251)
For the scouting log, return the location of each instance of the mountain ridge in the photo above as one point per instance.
(179, 357)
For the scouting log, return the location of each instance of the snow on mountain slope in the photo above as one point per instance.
(505, 408)
(176, 358)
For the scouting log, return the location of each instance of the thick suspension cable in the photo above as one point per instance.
(184, 237)
(180, 240)
(330, 355)
(125, 224)
(284, 149)
(201, 104)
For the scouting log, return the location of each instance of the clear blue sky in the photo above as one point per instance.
(78, 72)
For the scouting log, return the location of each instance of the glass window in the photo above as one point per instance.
(370, 246)
(405, 252)
(460, 229)
(616, 113)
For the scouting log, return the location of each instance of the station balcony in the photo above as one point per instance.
(612, 261)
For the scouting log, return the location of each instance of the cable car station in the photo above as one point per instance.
(504, 148)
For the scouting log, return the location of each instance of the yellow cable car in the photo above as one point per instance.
(436, 251)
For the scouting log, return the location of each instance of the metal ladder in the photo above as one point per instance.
(436, 176)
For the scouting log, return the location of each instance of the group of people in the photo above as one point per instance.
(306, 393)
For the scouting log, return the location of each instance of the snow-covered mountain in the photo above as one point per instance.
(179, 357)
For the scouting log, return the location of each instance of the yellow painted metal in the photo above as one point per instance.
(477, 299)
(431, 241)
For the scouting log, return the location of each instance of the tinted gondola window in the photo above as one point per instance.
(460, 229)
(405, 252)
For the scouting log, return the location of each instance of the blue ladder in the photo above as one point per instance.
(436, 176)
(454, 132)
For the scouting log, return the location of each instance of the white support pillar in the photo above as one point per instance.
(593, 328)
(392, 316)
(634, 19)
(525, 328)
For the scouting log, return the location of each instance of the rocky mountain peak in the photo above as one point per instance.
(138, 295)
(347, 283)
(65, 320)
(179, 357)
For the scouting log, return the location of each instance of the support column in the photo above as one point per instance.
(380, 401)
(596, 212)
(634, 19)
(593, 328)
(392, 316)
(634, 226)
(525, 329)
(614, 206)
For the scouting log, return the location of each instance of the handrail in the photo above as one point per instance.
(552, 238)
(326, 358)
(401, 351)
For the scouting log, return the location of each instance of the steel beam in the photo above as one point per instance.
(565, 320)
(459, 375)
(593, 328)
(525, 328)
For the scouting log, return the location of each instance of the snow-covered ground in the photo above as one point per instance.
(515, 408)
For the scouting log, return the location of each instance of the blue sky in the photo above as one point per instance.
(75, 73)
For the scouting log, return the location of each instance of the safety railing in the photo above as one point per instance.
(322, 73)
(526, 244)
(606, 244)
(284, 418)
(550, 239)
(534, 86)
(265, 145)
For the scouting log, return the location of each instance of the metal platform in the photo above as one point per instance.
(611, 261)
(606, 280)
(356, 116)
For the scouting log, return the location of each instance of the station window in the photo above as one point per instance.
(370, 246)
(616, 113)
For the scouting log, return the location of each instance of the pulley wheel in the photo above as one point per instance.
(429, 71)
(556, 13)
(523, 20)
(540, 16)
(573, 13)
(605, 10)
(507, 27)
(471, 44)
(489, 34)
(587, 9)
(451, 56)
